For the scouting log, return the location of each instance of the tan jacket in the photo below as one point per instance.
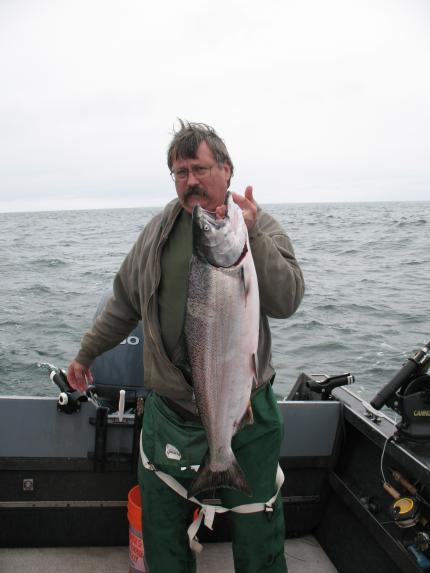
(280, 283)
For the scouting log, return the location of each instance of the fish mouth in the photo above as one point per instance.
(198, 210)
(219, 241)
(199, 213)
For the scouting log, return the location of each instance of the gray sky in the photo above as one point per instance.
(317, 100)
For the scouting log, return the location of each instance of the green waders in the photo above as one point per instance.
(258, 538)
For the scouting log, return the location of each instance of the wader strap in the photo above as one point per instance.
(208, 511)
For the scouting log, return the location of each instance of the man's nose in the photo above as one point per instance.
(192, 180)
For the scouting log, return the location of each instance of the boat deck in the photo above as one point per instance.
(303, 554)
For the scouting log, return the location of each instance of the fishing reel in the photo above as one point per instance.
(408, 394)
(409, 511)
(405, 512)
(69, 399)
(412, 403)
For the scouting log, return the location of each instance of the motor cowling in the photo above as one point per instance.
(120, 368)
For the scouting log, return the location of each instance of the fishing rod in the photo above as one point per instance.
(414, 366)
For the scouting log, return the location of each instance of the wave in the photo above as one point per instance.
(365, 267)
(49, 262)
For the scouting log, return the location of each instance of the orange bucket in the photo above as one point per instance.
(134, 514)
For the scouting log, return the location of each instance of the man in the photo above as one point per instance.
(152, 285)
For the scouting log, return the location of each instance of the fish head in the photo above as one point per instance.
(219, 242)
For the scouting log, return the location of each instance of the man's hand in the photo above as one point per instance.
(79, 376)
(248, 206)
(246, 203)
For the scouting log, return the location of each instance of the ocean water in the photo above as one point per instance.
(366, 307)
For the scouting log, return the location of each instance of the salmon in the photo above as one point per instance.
(221, 335)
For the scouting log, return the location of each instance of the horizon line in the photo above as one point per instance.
(352, 202)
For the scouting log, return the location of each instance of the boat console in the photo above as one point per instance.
(357, 474)
(380, 483)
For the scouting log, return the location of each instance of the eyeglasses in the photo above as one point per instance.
(199, 172)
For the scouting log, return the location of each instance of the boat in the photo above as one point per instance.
(357, 473)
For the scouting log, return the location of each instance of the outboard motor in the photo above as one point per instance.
(408, 394)
(120, 368)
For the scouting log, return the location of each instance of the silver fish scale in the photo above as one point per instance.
(218, 325)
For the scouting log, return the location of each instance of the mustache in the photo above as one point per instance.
(197, 191)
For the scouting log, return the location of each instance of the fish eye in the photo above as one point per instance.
(206, 227)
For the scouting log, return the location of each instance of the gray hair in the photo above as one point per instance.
(188, 138)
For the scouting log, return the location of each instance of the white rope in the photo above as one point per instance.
(207, 512)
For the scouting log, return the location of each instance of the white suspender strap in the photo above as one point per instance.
(207, 512)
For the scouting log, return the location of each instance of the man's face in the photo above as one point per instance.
(201, 181)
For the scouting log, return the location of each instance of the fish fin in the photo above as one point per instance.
(232, 477)
(245, 282)
(254, 359)
(248, 417)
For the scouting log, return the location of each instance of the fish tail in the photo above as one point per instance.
(232, 477)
